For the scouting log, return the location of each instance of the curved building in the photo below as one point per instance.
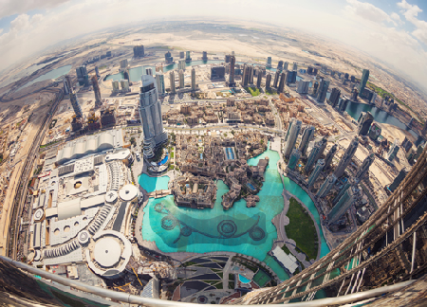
(346, 158)
(151, 116)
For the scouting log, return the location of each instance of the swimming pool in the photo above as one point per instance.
(229, 153)
(151, 184)
(165, 159)
(243, 279)
(250, 186)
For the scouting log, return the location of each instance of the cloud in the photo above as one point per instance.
(12, 7)
(397, 18)
(368, 11)
(411, 12)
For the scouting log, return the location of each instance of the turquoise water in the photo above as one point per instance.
(296, 190)
(53, 74)
(135, 73)
(151, 184)
(243, 279)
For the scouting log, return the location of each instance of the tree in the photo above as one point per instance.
(233, 132)
(132, 141)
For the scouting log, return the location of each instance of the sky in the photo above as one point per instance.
(394, 31)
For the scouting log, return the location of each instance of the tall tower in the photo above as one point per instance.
(172, 82)
(231, 82)
(268, 81)
(149, 71)
(276, 79)
(75, 104)
(322, 91)
(365, 123)
(346, 158)
(281, 87)
(160, 82)
(293, 159)
(363, 81)
(151, 116)
(187, 56)
(259, 78)
(247, 75)
(364, 167)
(280, 65)
(291, 122)
(312, 158)
(193, 79)
(330, 156)
(343, 204)
(292, 139)
(327, 186)
(97, 91)
(317, 170)
(394, 149)
(295, 66)
(335, 96)
(268, 64)
(307, 136)
(181, 79)
(286, 66)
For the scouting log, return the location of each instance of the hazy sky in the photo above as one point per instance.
(392, 30)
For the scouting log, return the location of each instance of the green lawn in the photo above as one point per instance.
(253, 91)
(270, 91)
(301, 229)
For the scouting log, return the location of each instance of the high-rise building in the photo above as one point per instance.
(363, 81)
(259, 78)
(303, 87)
(392, 153)
(282, 83)
(168, 58)
(364, 167)
(330, 156)
(354, 94)
(323, 90)
(365, 123)
(217, 72)
(187, 56)
(294, 158)
(116, 86)
(268, 81)
(97, 91)
(341, 192)
(172, 82)
(346, 158)
(316, 172)
(231, 82)
(292, 138)
(335, 96)
(247, 75)
(97, 72)
(182, 55)
(280, 65)
(181, 64)
(341, 207)
(285, 66)
(406, 144)
(82, 75)
(269, 61)
(374, 131)
(291, 77)
(149, 71)
(227, 58)
(204, 56)
(398, 180)
(276, 79)
(193, 79)
(327, 185)
(125, 85)
(295, 66)
(307, 136)
(124, 64)
(291, 122)
(181, 79)
(151, 116)
(343, 104)
(138, 51)
(312, 158)
(160, 82)
(75, 104)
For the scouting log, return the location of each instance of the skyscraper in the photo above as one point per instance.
(294, 158)
(172, 82)
(315, 174)
(363, 81)
(75, 104)
(364, 167)
(343, 204)
(151, 116)
(343, 104)
(268, 64)
(292, 138)
(346, 158)
(187, 56)
(276, 79)
(181, 54)
(204, 56)
(97, 91)
(335, 96)
(193, 79)
(392, 153)
(327, 186)
(322, 91)
(291, 77)
(398, 180)
(285, 66)
(160, 82)
(138, 51)
(97, 72)
(291, 122)
(364, 123)
(281, 87)
(295, 66)
(181, 79)
(181, 65)
(268, 81)
(247, 75)
(329, 157)
(168, 57)
(124, 64)
(149, 71)
(232, 63)
(280, 65)
(303, 87)
(82, 75)
(307, 136)
(312, 158)
(259, 78)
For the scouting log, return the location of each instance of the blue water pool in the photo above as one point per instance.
(243, 279)
(151, 184)
(250, 186)
(165, 159)
(230, 153)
